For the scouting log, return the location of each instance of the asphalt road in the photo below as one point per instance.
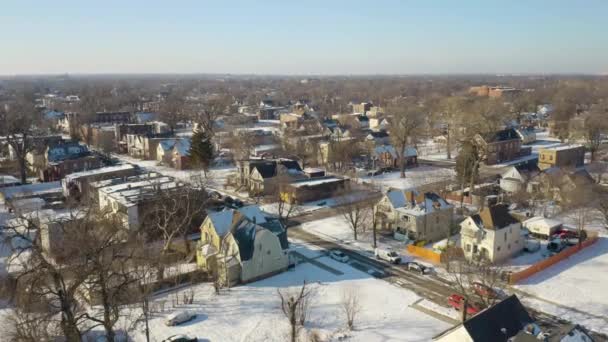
(430, 287)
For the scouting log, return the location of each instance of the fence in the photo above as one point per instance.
(550, 261)
(424, 253)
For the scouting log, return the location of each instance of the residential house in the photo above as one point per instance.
(362, 108)
(65, 158)
(181, 154)
(419, 216)
(379, 123)
(312, 189)
(242, 245)
(501, 146)
(164, 151)
(262, 176)
(501, 322)
(385, 156)
(561, 156)
(492, 235)
(559, 183)
(144, 146)
(378, 137)
(516, 178)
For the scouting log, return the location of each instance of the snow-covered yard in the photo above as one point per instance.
(414, 177)
(251, 312)
(216, 177)
(577, 282)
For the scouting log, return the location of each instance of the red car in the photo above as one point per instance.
(565, 234)
(484, 290)
(456, 301)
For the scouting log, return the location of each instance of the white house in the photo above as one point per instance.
(493, 235)
(419, 216)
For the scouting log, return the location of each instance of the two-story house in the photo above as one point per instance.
(242, 245)
(419, 216)
(492, 235)
(501, 146)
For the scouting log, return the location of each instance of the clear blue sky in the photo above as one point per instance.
(303, 37)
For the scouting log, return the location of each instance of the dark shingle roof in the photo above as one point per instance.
(379, 134)
(509, 316)
(495, 217)
(266, 170)
(505, 134)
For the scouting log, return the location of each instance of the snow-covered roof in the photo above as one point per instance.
(541, 222)
(561, 147)
(221, 221)
(167, 145)
(35, 189)
(316, 181)
(253, 212)
(397, 198)
(8, 179)
(101, 171)
(182, 146)
(408, 151)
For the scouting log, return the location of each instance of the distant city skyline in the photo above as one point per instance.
(304, 38)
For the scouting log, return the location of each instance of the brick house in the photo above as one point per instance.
(501, 146)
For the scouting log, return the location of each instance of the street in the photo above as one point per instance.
(430, 287)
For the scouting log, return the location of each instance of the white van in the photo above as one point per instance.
(179, 317)
(387, 255)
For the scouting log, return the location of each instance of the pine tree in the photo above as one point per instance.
(201, 150)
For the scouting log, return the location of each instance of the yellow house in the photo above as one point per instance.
(242, 245)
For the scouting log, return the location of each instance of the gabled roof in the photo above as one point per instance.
(494, 217)
(182, 146)
(505, 319)
(167, 145)
(503, 135)
(378, 134)
(380, 149)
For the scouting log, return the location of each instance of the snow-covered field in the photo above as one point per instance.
(578, 282)
(414, 177)
(251, 312)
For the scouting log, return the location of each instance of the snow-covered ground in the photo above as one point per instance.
(251, 312)
(578, 282)
(216, 177)
(273, 208)
(414, 177)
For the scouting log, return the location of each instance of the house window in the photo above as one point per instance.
(468, 248)
(505, 236)
(551, 158)
(474, 248)
(498, 248)
(406, 218)
(509, 246)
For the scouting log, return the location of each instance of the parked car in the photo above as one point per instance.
(179, 317)
(531, 245)
(565, 234)
(338, 255)
(457, 301)
(484, 290)
(180, 338)
(556, 245)
(416, 267)
(387, 255)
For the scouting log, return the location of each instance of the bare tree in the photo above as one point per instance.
(467, 275)
(595, 125)
(355, 210)
(19, 127)
(171, 214)
(295, 306)
(351, 307)
(407, 119)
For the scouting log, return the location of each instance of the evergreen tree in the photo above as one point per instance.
(201, 150)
